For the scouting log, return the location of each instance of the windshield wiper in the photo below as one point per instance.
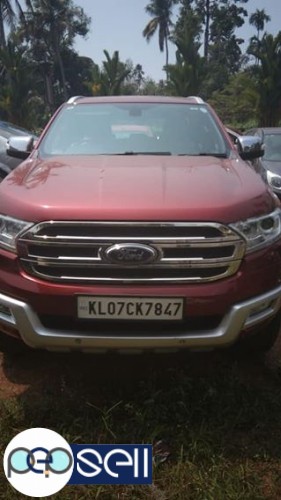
(216, 155)
(132, 153)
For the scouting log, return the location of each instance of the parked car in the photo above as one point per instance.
(7, 130)
(138, 241)
(269, 165)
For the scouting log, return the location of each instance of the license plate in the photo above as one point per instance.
(130, 308)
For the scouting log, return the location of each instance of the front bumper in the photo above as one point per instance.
(19, 316)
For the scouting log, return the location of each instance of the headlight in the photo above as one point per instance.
(261, 231)
(274, 180)
(9, 231)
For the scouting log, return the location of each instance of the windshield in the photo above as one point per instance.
(134, 128)
(272, 147)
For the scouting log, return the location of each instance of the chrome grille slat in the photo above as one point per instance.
(84, 239)
(189, 263)
(190, 242)
(73, 251)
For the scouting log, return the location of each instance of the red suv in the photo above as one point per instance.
(136, 224)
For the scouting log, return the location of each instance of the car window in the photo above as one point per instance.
(272, 147)
(128, 128)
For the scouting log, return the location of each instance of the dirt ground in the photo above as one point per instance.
(36, 370)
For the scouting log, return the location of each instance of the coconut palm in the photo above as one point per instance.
(108, 79)
(8, 16)
(161, 13)
(258, 19)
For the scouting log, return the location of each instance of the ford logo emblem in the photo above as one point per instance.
(130, 254)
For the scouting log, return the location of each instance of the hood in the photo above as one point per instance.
(273, 166)
(146, 187)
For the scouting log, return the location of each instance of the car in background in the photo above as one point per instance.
(7, 130)
(269, 165)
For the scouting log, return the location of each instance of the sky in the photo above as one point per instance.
(118, 25)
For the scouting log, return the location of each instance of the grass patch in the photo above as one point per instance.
(221, 425)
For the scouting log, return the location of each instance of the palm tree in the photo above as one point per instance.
(8, 15)
(268, 52)
(258, 19)
(161, 13)
(108, 80)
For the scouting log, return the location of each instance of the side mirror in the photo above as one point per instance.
(250, 147)
(20, 146)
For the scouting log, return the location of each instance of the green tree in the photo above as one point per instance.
(109, 78)
(78, 72)
(161, 13)
(218, 21)
(185, 77)
(268, 73)
(218, 17)
(258, 20)
(134, 81)
(50, 27)
(17, 99)
(8, 16)
(237, 102)
(138, 76)
(151, 87)
(225, 45)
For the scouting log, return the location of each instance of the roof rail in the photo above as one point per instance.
(197, 99)
(73, 99)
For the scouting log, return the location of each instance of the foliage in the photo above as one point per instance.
(161, 13)
(8, 16)
(39, 67)
(268, 52)
(186, 76)
(237, 103)
(218, 21)
(258, 19)
(150, 87)
(108, 79)
(18, 100)
(78, 72)
(51, 26)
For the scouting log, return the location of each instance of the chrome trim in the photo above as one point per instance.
(73, 99)
(56, 245)
(240, 316)
(133, 224)
(231, 269)
(197, 99)
(135, 254)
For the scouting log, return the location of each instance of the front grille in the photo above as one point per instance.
(183, 252)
